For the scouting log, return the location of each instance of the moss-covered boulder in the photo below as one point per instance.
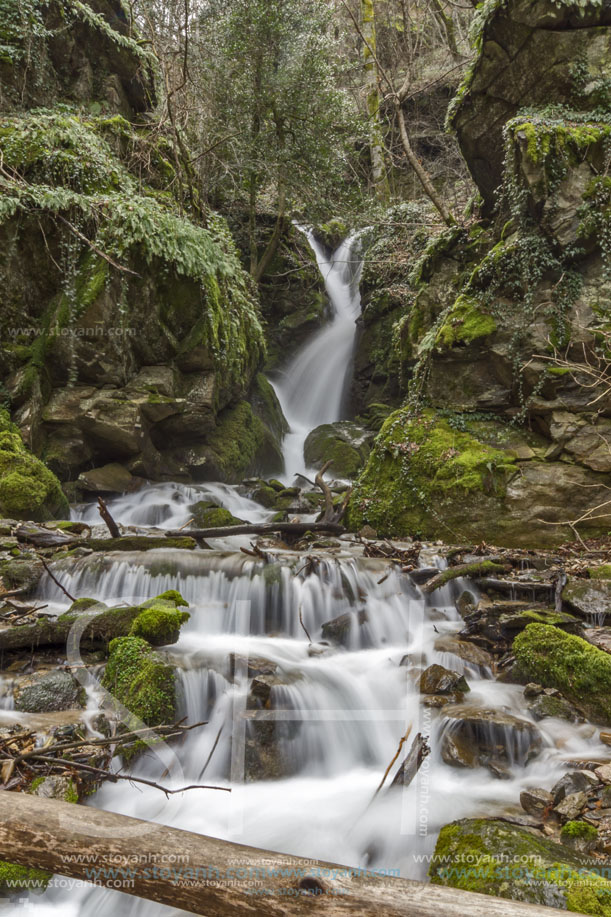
(141, 680)
(426, 478)
(207, 515)
(240, 445)
(344, 443)
(160, 619)
(580, 671)
(266, 406)
(498, 858)
(28, 490)
(22, 572)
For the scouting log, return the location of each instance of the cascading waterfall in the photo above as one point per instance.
(340, 706)
(312, 390)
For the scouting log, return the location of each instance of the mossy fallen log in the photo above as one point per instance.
(474, 570)
(294, 529)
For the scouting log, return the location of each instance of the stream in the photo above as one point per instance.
(342, 708)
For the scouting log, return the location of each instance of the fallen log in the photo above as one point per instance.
(476, 569)
(48, 631)
(213, 877)
(531, 588)
(263, 528)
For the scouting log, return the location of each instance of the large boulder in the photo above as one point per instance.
(480, 736)
(344, 443)
(28, 489)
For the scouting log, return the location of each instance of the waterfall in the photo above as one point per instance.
(313, 388)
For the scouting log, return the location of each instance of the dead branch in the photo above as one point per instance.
(264, 528)
(113, 528)
(396, 755)
(55, 579)
(329, 512)
(410, 767)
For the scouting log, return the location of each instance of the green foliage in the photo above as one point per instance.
(72, 172)
(579, 829)
(580, 671)
(160, 624)
(13, 878)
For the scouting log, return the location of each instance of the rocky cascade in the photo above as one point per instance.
(499, 329)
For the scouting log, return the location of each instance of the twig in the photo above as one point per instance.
(113, 528)
(397, 753)
(302, 624)
(55, 580)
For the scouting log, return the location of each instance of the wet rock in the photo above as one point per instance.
(536, 800)
(439, 680)
(599, 637)
(495, 624)
(345, 443)
(571, 806)
(554, 706)
(207, 514)
(55, 787)
(590, 598)
(23, 572)
(52, 691)
(465, 650)
(465, 603)
(579, 836)
(479, 736)
(112, 478)
(604, 773)
(578, 781)
(254, 665)
(340, 629)
(533, 690)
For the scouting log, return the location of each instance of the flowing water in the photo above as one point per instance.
(313, 387)
(340, 710)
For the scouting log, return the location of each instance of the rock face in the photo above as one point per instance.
(530, 55)
(497, 332)
(53, 691)
(146, 357)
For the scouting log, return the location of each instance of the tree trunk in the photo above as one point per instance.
(376, 137)
(419, 169)
(204, 875)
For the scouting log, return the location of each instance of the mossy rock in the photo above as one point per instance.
(240, 445)
(580, 671)
(28, 490)
(141, 543)
(159, 622)
(207, 515)
(426, 478)
(266, 406)
(346, 444)
(141, 680)
(464, 323)
(498, 858)
(22, 572)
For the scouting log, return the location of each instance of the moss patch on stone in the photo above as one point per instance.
(139, 678)
(464, 323)
(497, 858)
(423, 472)
(160, 623)
(14, 878)
(207, 515)
(580, 671)
(241, 444)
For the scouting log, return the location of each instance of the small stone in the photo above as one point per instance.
(536, 800)
(605, 738)
(532, 690)
(572, 806)
(573, 782)
(439, 680)
(604, 773)
(368, 532)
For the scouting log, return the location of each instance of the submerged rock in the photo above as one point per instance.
(591, 598)
(479, 736)
(340, 629)
(439, 680)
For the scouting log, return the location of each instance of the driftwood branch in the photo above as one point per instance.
(215, 877)
(320, 482)
(476, 569)
(413, 760)
(113, 528)
(55, 579)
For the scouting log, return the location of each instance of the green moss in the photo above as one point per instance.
(602, 572)
(464, 323)
(420, 470)
(207, 515)
(241, 444)
(140, 543)
(580, 671)
(14, 878)
(171, 595)
(497, 858)
(160, 624)
(28, 490)
(141, 680)
(579, 829)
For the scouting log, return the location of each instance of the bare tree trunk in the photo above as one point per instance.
(376, 137)
(423, 175)
(204, 875)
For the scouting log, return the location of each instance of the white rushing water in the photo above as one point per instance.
(340, 709)
(313, 387)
